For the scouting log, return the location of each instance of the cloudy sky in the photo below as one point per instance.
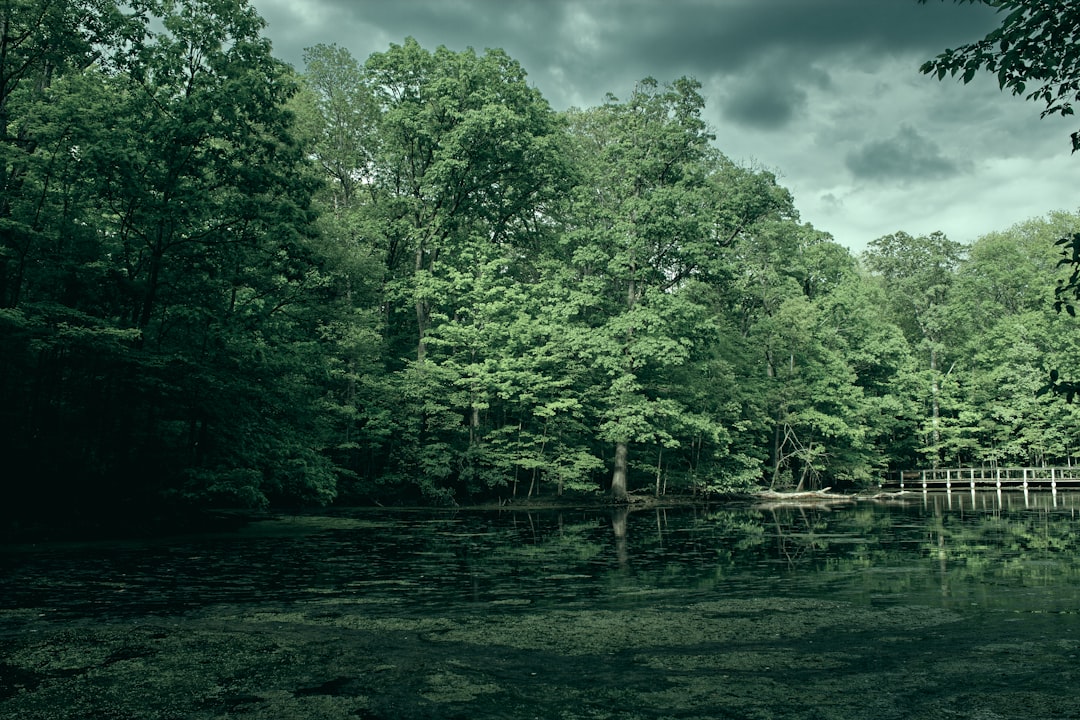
(824, 93)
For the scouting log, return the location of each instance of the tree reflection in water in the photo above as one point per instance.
(927, 607)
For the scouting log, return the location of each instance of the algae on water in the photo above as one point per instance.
(693, 617)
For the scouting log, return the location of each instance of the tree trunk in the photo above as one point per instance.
(777, 441)
(659, 469)
(935, 392)
(421, 313)
(350, 384)
(146, 312)
(619, 474)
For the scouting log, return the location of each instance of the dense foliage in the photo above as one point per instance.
(1036, 42)
(223, 281)
(1034, 53)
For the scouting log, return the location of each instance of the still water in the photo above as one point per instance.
(936, 606)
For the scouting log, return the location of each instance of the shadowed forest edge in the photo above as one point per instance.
(228, 282)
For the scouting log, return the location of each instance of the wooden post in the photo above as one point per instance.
(923, 474)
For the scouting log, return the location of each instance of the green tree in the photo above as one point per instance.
(878, 354)
(1035, 45)
(918, 274)
(827, 355)
(1013, 423)
(45, 39)
(170, 308)
(42, 41)
(336, 119)
(466, 153)
(455, 165)
(656, 212)
(643, 183)
(1001, 294)
(342, 123)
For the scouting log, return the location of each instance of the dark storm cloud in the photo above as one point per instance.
(607, 41)
(907, 155)
(726, 32)
(811, 89)
(769, 95)
(763, 105)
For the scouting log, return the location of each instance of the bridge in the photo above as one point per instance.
(998, 478)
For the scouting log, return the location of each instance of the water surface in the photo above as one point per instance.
(937, 606)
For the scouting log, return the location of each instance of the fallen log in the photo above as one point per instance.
(766, 499)
(802, 495)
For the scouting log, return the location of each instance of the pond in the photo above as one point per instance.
(924, 607)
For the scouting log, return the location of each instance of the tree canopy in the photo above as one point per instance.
(1037, 44)
(226, 281)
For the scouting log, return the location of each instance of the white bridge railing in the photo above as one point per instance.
(1001, 478)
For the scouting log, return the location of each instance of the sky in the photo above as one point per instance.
(826, 94)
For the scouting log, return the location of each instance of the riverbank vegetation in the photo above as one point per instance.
(227, 281)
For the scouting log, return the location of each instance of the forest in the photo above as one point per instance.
(226, 281)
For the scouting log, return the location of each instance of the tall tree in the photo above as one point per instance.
(42, 41)
(342, 123)
(1016, 338)
(169, 308)
(455, 185)
(918, 274)
(878, 354)
(657, 209)
(826, 358)
(466, 151)
(336, 120)
(1036, 44)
